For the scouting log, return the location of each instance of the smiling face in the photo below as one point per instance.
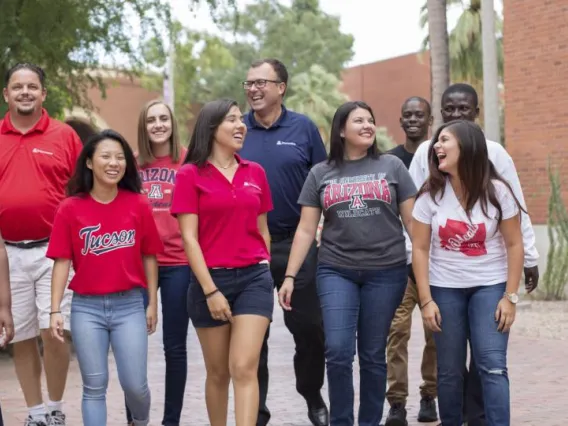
(269, 93)
(231, 132)
(108, 163)
(24, 92)
(447, 149)
(415, 120)
(159, 125)
(359, 131)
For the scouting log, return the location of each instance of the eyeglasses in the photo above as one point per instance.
(260, 84)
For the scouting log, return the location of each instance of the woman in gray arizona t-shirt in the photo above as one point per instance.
(362, 272)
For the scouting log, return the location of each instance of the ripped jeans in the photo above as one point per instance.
(469, 314)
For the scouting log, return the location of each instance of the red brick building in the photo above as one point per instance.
(536, 93)
(385, 85)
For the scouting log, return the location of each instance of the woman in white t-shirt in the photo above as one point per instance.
(468, 259)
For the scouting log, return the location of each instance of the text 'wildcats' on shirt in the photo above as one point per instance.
(371, 189)
(106, 242)
(158, 174)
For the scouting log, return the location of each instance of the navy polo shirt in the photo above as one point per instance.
(287, 151)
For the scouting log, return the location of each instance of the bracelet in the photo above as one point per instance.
(208, 295)
(54, 312)
(421, 307)
(289, 276)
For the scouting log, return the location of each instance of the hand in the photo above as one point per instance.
(219, 307)
(531, 278)
(6, 326)
(56, 324)
(285, 294)
(505, 315)
(432, 317)
(151, 317)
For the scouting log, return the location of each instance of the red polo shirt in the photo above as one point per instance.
(34, 170)
(228, 212)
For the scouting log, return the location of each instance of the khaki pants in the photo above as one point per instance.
(397, 352)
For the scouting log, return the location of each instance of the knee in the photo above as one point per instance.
(339, 351)
(95, 385)
(175, 350)
(218, 376)
(243, 369)
(138, 391)
(492, 364)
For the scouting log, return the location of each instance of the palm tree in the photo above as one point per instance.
(490, 73)
(439, 54)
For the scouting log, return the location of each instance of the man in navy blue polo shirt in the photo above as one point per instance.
(287, 145)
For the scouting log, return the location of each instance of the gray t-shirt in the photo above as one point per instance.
(359, 200)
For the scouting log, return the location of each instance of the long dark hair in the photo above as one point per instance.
(475, 170)
(208, 121)
(82, 181)
(337, 142)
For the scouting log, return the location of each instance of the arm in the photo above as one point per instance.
(511, 231)
(262, 222)
(59, 277)
(422, 234)
(6, 320)
(151, 270)
(506, 168)
(406, 208)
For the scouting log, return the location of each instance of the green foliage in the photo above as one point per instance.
(555, 277)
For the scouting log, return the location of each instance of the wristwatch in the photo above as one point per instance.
(512, 297)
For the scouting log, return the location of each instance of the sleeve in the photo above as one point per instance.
(508, 204)
(151, 243)
(506, 168)
(309, 196)
(75, 148)
(419, 166)
(265, 196)
(61, 240)
(406, 188)
(318, 152)
(185, 197)
(423, 209)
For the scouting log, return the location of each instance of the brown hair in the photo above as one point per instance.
(475, 170)
(145, 154)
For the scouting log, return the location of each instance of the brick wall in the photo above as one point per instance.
(384, 85)
(536, 94)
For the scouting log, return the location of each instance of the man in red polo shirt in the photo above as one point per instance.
(37, 157)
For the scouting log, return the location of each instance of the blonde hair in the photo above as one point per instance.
(145, 154)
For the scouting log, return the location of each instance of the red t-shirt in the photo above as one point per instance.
(106, 242)
(34, 170)
(158, 181)
(228, 212)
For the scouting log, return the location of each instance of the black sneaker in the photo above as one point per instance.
(428, 411)
(397, 415)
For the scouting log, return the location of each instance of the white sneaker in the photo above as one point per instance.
(56, 418)
(30, 421)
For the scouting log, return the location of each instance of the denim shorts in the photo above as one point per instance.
(249, 291)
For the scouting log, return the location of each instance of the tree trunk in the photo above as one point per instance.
(439, 55)
(490, 72)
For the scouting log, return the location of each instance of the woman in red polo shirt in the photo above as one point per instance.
(221, 202)
(160, 155)
(106, 230)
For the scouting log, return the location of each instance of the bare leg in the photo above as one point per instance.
(247, 335)
(56, 364)
(28, 369)
(215, 347)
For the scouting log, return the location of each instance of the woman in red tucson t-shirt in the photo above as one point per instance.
(221, 202)
(106, 230)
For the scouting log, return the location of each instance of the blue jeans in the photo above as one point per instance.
(358, 307)
(119, 321)
(471, 313)
(174, 284)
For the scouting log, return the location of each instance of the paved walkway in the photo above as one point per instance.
(538, 374)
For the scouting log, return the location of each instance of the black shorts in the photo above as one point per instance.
(249, 291)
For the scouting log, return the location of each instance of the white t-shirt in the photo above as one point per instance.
(465, 252)
(506, 168)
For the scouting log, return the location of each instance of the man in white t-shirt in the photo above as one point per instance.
(460, 101)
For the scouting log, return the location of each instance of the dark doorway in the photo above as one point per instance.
(84, 130)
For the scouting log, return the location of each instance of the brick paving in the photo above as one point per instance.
(538, 374)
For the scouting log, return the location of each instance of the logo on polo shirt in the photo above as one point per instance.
(103, 243)
(286, 143)
(41, 151)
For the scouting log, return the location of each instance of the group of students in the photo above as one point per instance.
(217, 226)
